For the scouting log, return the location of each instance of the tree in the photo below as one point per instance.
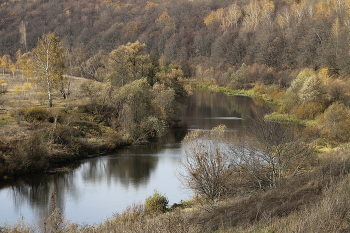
(134, 101)
(291, 97)
(164, 97)
(5, 63)
(3, 90)
(269, 152)
(335, 124)
(233, 14)
(172, 77)
(23, 32)
(47, 64)
(312, 90)
(206, 166)
(129, 63)
(157, 203)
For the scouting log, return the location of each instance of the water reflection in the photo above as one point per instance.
(206, 109)
(35, 191)
(97, 187)
(128, 169)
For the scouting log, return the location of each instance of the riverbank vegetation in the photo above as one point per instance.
(134, 102)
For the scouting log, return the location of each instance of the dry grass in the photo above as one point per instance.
(34, 97)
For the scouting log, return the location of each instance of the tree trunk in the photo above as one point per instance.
(50, 98)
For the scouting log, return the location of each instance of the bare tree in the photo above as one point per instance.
(206, 167)
(270, 151)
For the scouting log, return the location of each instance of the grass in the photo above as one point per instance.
(6, 119)
(230, 92)
(285, 118)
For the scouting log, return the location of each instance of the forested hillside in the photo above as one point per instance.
(199, 35)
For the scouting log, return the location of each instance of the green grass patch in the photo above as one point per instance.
(230, 92)
(6, 120)
(286, 118)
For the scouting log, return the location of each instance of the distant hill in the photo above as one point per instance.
(285, 35)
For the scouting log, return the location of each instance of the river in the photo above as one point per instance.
(98, 187)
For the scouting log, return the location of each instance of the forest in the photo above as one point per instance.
(88, 77)
(281, 35)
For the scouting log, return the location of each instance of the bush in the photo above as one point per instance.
(29, 154)
(307, 110)
(335, 124)
(259, 89)
(156, 203)
(152, 127)
(35, 114)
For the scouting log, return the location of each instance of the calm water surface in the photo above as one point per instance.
(99, 187)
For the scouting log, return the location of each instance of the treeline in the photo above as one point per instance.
(280, 34)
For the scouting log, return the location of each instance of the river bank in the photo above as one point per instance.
(111, 182)
(327, 122)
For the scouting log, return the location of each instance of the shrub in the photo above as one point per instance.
(29, 154)
(156, 203)
(335, 123)
(307, 110)
(35, 114)
(259, 89)
(152, 127)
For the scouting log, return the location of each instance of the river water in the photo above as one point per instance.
(101, 186)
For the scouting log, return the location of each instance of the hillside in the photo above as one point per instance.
(199, 35)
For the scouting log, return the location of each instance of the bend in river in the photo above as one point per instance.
(99, 187)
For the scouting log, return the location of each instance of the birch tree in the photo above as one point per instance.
(47, 63)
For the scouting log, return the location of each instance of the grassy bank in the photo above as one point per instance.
(230, 92)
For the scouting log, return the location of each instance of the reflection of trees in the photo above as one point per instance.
(133, 169)
(205, 104)
(36, 190)
(131, 165)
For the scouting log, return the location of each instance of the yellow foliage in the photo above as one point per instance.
(13, 68)
(219, 13)
(325, 76)
(259, 89)
(211, 18)
(268, 8)
(164, 16)
(149, 5)
(281, 21)
(26, 87)
(17, 90)
(323, 9)
(308, 110)
(232, 15)
(133, 27)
